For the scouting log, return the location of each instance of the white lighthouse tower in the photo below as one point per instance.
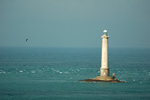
(104, 60)
(104, 70)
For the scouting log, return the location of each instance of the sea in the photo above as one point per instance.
(28, 73)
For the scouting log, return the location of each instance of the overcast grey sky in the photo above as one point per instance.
(74, 23)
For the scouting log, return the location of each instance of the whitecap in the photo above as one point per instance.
(33, 71)
(2, 72)
(20, 71)
(66, 72)
(60, 72)
(56, 70)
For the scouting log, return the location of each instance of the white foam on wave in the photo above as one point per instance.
(66, 72)
(33, 71)
(134, 80)
(57, 71)
(60, 72)
(2, 72)
(21, 71)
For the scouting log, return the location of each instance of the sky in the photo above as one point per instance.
(74, 23)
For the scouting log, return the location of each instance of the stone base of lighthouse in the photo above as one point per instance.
(103, 79)
(105, 75)
(104, 72)
(95, 80)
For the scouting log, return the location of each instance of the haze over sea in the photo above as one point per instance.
(46, 46)
(53, 74)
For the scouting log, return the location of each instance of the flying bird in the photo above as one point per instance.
(26, 40)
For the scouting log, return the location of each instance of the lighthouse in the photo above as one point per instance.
(104, 69)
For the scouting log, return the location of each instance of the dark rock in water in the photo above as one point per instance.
(94, 80)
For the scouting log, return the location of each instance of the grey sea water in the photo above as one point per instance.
(53, 74)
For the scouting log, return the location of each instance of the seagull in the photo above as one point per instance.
(26, 40)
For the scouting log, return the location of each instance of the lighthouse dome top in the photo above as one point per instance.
(105, 31)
